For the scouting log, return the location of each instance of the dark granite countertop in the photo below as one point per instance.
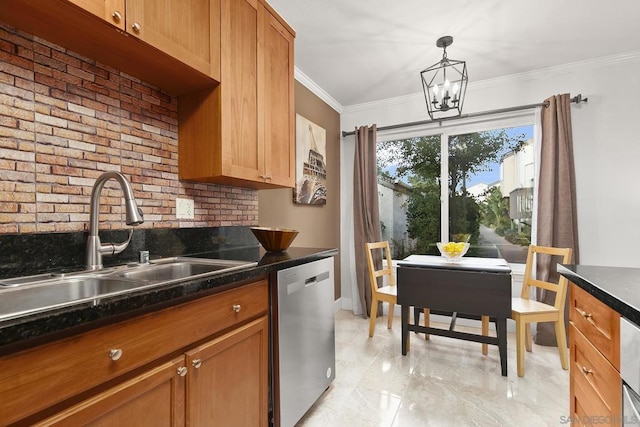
(29, 330)
(617, 287)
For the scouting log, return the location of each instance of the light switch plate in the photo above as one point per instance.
(184, 208)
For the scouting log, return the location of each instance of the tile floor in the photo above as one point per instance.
(441, 382)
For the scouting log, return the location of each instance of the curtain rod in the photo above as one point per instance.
(576, 99)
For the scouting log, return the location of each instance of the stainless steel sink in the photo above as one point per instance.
(26, 295)
(172, 269)
(22, 300)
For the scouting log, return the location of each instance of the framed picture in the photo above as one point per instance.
(311, 167)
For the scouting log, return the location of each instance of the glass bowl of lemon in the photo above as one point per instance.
(453, 251)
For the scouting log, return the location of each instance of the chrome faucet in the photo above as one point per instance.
(95, 249)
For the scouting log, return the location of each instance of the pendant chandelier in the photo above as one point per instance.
(445, 84)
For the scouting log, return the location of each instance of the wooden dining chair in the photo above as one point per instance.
(525, 310)
(386, 293)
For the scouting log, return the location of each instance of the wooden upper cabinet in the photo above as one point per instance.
(242, 132)
(111, 11)
(242, 157)
(180, 28)
(278, 103)
(174, 45)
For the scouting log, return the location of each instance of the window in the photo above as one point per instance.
(483, 193)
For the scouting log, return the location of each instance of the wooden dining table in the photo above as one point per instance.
(470, 288)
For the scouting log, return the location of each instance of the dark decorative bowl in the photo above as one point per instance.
(274, 239)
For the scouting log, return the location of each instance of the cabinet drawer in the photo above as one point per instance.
(584, 407)
(154, 398)
(599, 323)
(37, 378)
(596, 383)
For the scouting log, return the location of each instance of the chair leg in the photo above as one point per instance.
(529, 340)
(485, 332)
(427, 321)
(520, 344)
(561, 338)
(390, 319)
(374, 314)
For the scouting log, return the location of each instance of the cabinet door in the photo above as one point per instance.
(228, 381)
(181, 29)
(153, 398)
(110, 10)
(278, 102)
(242, 157)
(595, 384)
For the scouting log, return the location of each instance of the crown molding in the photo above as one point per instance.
(557, 70)
(387, 102)
(605, 61)
(303, 79)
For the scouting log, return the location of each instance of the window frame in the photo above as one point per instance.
(465, 125)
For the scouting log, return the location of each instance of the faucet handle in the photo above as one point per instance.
(119, 247)
(144, 257)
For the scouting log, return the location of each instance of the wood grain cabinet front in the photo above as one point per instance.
(241, 132)
(222, 382)
(39, 378)
(172, 44)
(181, 29)
(154, 398)
(594, 371)
(227, 383)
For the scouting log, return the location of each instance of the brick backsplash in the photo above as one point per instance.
(65, 119)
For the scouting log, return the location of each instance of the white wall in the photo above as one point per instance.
(606, 143)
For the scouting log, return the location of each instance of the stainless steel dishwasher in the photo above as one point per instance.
(304, 353)
(630, 372)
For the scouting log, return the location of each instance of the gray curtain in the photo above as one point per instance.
(366, 216)
(557, 219)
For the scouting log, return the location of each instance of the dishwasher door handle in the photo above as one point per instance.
(307, 283)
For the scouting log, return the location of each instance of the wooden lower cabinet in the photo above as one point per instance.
(227, 382)
(220, 383)
(155, 398)
(594, 340)
(201, 363)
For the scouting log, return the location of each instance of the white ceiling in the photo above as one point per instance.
(365, 50)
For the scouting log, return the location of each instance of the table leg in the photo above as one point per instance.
(404, 310)
(501, 332)
(485, 332)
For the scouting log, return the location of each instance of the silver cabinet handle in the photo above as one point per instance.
(136, 27)
(117, 16)
(115, 354)
(196, 363)
(236, 308)
(586, 370)
(182, 371)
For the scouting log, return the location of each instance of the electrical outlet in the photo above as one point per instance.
(184, 208)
